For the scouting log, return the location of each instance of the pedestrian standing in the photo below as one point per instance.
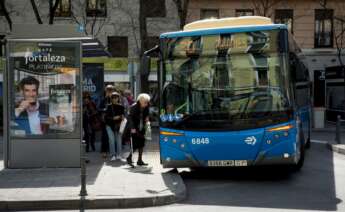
(89, 111)
(129, 97)
(109, 89)
(115, 113)
(137, 118)
(124, 102)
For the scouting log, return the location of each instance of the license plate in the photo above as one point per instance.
(227, 163)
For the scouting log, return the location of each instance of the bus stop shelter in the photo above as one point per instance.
(42, 96)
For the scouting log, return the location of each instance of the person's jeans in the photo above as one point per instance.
(104, 140)
(118, 144)
(115, 144)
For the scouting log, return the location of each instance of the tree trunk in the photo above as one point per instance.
(144, 77)
(6, 14)
(340, 49)
(182, 10)
(37, 15)
(52, 9)
(183, 18)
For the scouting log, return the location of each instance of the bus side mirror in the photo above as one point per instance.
(145, 65)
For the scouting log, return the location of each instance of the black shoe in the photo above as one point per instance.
(130, 162)
(141, 163)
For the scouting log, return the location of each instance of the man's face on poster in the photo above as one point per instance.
(30, 94)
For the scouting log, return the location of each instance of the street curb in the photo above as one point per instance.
(92, 202)
(331, 130)
(87, 203)
(339, 148)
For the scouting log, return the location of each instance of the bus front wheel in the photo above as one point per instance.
(300, 162)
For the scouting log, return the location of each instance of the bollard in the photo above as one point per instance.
(83, 158)
(337, 130)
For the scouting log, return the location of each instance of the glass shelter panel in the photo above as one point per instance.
(43, 82)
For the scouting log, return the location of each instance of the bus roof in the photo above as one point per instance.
(225, 25)
(227, 22)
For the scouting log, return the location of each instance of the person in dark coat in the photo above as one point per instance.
(89, 112)
(109, 89)
(137, 118)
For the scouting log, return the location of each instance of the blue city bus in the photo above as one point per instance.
(233, 92)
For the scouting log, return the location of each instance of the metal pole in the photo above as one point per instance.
(83, 175)
(337, 131)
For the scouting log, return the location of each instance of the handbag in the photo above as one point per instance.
(123, 125)
(148, 131)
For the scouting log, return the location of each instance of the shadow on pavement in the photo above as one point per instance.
(49, 177)
(313, 188)
(64, 177)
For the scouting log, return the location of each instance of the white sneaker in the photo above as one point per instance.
(118, 157)
(113, 158)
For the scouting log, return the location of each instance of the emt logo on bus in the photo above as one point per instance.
(250, 140)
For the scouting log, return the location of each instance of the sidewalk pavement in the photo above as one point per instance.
(329, 127)
(327, 136)
(109, 185)
(339, 148)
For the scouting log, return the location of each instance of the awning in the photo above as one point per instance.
(94, 48)
(91, 47)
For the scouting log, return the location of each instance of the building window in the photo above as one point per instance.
(2, 45)
(2, 12)
(244, 12)
(284, 17)
(209, 13)
(155, 9)
(63, 9)
(323, 28)
(118, 46)
(96, 8)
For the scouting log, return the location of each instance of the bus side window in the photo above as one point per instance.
(299, 73)
(293, 67)
(302, 85)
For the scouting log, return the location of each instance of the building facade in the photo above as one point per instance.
(115, 23)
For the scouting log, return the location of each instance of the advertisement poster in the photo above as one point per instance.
(44, 90)
(93, 81)
(60, 106)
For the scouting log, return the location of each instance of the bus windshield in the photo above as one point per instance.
(225, 82)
